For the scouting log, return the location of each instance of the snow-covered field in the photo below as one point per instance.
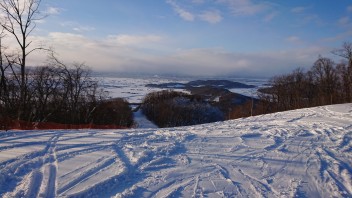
(133, 89)
(302, 153)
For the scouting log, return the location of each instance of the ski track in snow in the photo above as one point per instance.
(301, 153)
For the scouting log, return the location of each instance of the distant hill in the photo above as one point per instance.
(214, 91)
(219, 83)
(226, 84)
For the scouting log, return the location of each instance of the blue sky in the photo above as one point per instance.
(197, 37)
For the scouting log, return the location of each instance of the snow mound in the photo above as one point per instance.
(301, 153)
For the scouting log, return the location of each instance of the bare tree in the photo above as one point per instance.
(345, 52)
(2, 67)
(46, 85)
(326, 77)
(19, 20)
(345, 69)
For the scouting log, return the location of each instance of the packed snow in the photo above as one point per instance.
(141, 121)
(301, 153)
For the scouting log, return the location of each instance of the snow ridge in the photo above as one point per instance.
(301, 153)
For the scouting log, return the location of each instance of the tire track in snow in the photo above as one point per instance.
(161, 146)
(225, 173)
(129, 176)
(346, 141)
(174, 189)
(118, 183)
(330, 174)
(82, 168)
(31, 155)
(86, 174)
(21, 145)
(278, 142)
(34, 188)
(14, 135)
(87, 148)
(261, 189)
(197, 192)
(28, 186)
(48, 185)
(28, 173)
(339, 170)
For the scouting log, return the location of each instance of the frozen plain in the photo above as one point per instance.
(134, 89)
(301, 153)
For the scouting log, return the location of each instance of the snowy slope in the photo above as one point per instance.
(302, 153)
(141, 121)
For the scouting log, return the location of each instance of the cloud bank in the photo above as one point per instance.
(245, 7)
(127, 53)
(184, 14)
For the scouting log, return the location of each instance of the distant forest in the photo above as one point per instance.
(325, 83)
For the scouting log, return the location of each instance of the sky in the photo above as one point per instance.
(194, 37)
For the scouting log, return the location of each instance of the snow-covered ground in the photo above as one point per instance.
(141, 121)
(301, 153)
(133, 89)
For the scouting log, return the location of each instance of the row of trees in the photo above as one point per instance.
(54, 93)
(169, 109)
(325, 83)
(48, 91)
(18, 21)
(61, 94)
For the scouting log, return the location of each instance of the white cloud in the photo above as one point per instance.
(69, 40)
(311, 19)
(219, 62)
(339, 37)
(349, 8)
(211, 16)
(198, 1)
(244, 7)
(77, 27)
(68, 24)
(53, 10)
(270, 16)
(120, 54)
(184, 14)
(344, 21)
(135, 40)
(83, 28)
(298, 9)
(293, 39)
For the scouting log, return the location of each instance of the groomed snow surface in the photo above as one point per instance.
(301, 153)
